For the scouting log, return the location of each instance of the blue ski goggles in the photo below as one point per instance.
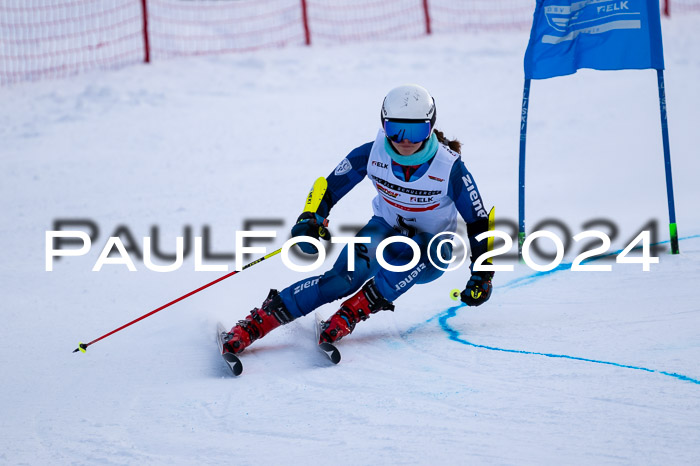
(414, 131)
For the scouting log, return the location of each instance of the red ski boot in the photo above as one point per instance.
(259, 323)
(365, 302)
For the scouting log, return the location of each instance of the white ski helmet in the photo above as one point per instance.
(411, 104)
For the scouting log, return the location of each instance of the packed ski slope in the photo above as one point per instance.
(575, 368)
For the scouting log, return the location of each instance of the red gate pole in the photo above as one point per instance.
(426, 10)
(305, 19)
(146, 46)
(667, 8)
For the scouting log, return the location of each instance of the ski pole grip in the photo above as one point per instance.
(318, 190)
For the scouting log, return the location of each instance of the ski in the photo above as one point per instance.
(231, 359)
(326, 348)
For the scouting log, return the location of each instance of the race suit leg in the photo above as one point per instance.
(308, 294)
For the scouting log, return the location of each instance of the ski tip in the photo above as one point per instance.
(330, 351)
(455, 294)
(233, 363)
(81, 347)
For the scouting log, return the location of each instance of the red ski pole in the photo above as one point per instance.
(83, 346)
(313, 201)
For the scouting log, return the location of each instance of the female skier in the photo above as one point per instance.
(421, 184)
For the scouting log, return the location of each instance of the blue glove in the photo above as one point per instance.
(313, 225)
(478, 289)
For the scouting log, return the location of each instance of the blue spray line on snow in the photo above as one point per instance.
(454, 335)
(526, 280)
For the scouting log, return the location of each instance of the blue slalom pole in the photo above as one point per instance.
(667, 164)
(521, 180)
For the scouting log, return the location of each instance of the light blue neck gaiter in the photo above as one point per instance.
(426, 153)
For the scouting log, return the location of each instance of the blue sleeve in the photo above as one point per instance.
(464, 193)
(349, 172)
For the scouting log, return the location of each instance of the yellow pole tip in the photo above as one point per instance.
(454, 294)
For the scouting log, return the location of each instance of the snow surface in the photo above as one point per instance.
(575, 368)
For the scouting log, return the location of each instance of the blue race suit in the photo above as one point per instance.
(399, 210)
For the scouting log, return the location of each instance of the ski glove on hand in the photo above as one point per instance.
(313, 225)
(478, 289)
